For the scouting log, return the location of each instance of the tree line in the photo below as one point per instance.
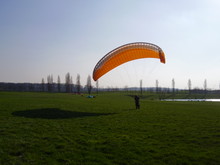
(51, 85)
(68, 86)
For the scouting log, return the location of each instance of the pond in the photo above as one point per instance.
(211, 100)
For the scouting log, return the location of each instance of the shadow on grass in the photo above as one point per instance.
(55, 113)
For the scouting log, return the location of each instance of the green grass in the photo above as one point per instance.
(44, 128)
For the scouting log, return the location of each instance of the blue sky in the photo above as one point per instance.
(43, 37)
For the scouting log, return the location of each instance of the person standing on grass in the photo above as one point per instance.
(137, 103)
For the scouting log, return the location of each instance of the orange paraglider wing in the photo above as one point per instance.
(127, 53)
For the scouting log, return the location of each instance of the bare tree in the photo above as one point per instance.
(78, 85)
(71, 84)
(50, 83)
(126, 88)
(68, 83)
(173, 85)
(89, 84)
(42, 85)
(205, 86)
(189, 86)
(58, 84)
(97, 86)
(157, 86)
(141, 89)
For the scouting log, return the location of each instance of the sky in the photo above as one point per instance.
(53, 37)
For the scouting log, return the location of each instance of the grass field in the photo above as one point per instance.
(48, 128)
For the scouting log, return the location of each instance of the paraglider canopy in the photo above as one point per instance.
(127, 53)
